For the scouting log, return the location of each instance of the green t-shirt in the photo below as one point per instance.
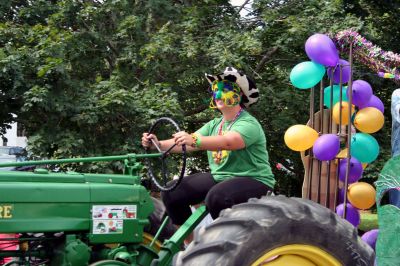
(251, 161)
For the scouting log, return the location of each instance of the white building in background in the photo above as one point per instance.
(15, 136)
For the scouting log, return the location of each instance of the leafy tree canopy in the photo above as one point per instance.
(87, 77)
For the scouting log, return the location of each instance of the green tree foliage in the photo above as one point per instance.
(88, 77)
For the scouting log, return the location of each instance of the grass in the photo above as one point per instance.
(368, 222)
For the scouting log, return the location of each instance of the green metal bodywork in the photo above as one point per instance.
(63, 202)
(388, 242)
(89, 209)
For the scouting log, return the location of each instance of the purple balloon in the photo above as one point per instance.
(374, 102)
(370, 237)
(355, 172)
(321, 49)
(326, 147)
(336, 72)
(362, 92)
(352, 214)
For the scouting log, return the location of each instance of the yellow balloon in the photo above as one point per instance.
(300, 137)
(342, 154)
(345, 113)
(369, 120)
(361, 195)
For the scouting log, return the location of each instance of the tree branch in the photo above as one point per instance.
(243, 5)
(197, 110)
(265, 58)
(113, 50)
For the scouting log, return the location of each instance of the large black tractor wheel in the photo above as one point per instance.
(277, 231)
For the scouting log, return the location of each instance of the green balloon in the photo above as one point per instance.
(336, 95)
(364, 147)
(307, 74)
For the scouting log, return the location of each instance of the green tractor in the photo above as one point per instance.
(74, 219)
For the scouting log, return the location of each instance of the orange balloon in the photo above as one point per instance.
(300, 137)
(369, 120)
(361, 195)
(345, 113)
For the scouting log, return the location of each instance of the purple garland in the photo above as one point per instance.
(385, 64)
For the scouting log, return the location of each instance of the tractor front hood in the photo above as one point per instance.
(31, 202)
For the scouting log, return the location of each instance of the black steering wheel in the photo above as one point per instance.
(162, 177)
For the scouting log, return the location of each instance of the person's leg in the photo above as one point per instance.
(192, 190)
(233, 191)
(394, 197)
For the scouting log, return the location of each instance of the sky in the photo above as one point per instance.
(239, 3)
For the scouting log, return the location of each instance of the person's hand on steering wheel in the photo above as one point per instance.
(183, 138)
(147, 142)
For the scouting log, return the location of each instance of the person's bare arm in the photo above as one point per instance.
(150, 140)
(230, 141)
(166, 144)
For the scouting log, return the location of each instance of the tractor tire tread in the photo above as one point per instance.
(242, 233)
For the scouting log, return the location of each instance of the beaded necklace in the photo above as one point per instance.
(218, 156)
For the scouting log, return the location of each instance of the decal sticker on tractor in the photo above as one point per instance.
(6, 211)
(109, 219)
(108, 226)
(114, 212)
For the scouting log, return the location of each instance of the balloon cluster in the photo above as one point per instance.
(366, 112)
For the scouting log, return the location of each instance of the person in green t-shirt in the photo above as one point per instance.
(236, 149)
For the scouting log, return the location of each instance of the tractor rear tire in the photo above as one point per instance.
(247, 233)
